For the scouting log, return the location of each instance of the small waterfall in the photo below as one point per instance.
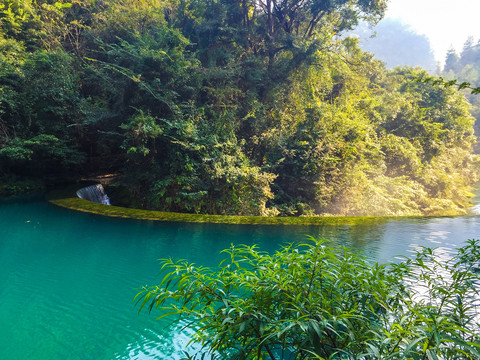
(94, 193)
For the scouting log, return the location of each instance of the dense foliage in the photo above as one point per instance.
(252, 107)
(315, 302)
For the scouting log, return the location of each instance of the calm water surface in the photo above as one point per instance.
(67, 279)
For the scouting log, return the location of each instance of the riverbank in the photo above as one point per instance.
(66, 198)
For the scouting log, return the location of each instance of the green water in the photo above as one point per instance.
(67, 279)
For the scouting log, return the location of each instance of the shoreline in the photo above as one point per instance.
(71, 201)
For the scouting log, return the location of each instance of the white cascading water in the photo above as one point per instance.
(95, 193)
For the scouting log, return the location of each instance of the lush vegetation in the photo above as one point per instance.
(227, 107)
(67, 198)
(311, 301)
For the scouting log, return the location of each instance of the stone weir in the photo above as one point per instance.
(95, 193)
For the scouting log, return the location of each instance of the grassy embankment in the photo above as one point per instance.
(67, 198)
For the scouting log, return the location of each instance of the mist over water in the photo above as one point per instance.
(69, 279)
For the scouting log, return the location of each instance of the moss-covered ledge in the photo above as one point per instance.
(67, 199)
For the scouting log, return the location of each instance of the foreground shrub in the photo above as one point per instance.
(312, 301)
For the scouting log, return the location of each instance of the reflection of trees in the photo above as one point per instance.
(212, 238)
(362, 237)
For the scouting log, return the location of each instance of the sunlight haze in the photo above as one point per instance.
(444, 22)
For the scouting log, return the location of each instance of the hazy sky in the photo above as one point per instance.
(446, 23)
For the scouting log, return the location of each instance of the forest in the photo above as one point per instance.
(466, 68)
(248, 107)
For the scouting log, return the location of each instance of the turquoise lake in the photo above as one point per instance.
(68, 279)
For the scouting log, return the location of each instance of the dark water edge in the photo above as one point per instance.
(68, 279)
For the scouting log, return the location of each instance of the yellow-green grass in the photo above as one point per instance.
(66, 198)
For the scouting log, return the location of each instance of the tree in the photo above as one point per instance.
(451, 61)
(292, 21)
(467, 55)
(312, 301)
(295, 16)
